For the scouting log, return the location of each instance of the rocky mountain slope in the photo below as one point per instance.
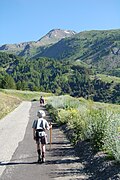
(32, 47)
(100, 49)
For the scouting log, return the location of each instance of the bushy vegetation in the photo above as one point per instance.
(98, 123)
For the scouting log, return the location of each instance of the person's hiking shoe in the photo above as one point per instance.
(39, 160)
(39, 155)
(43, 159)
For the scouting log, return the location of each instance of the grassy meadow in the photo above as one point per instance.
(25, 95)
(107, 78)
(10, 99)
(7, 103)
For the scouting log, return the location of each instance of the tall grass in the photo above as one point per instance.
(112, 137)
(96, 121)
(63, 102)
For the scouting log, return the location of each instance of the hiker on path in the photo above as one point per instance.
(42, 101)
(39, 127)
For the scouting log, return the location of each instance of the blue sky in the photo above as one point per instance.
(29, 20)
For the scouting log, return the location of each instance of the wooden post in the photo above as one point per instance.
(50, 135)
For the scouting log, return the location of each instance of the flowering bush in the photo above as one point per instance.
(98, 123)
(112, 137)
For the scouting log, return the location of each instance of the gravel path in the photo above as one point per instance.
(63, 162)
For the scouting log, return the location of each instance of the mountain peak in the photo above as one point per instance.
(54, 36)
(61, 32)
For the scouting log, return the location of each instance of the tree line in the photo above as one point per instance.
(59, 77)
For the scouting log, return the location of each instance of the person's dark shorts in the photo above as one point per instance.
(41, 139)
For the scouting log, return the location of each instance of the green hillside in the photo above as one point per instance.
(59, 77)
(99, 49)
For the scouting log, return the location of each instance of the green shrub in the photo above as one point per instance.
(63, 102)
(52, 112)
(96, 121)
(112, 138)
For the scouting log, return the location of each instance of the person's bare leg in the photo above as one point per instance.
(43, 152)
(39, 152)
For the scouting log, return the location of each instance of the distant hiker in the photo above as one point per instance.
(39, 126)
(42, 101)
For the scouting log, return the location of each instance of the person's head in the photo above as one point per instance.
(41, 113)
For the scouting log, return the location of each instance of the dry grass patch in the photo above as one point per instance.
(8, 103)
